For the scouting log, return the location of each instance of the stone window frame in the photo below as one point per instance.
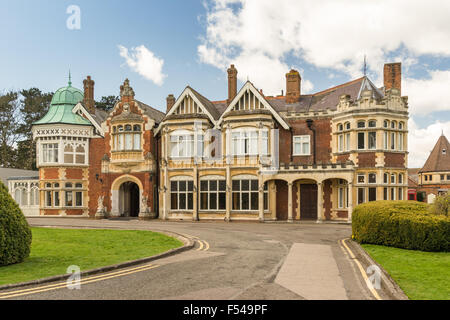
(119, 137)
(253, 189)
(75, 190)
(188, 194)
(220, 191)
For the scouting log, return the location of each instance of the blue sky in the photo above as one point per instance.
(192, 42)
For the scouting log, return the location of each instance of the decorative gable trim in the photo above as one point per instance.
(79, 108)
(261, 103)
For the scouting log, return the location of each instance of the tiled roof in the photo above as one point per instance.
(207, 104)
(6, 173)
(438, 160)
(156, 115)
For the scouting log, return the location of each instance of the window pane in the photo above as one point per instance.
(80, 158)
(372, 194)
(372, 178)
(245, 201)
(173, 185)
(182, 185)
(69, 202)
(222, 201)
(254, 185)
(128, 142)
(361, 140)
(266, 201)
(372, 140)
(78, 199)
(360, 195)
(173, 201)
(137, 141)
(190, 201)
(182, 197)
(245, 185)
(213, 185)
(56, 199)
(236, 201)
(213, 201)
(204, 201)
(236, 184)
(254, 201)
(222, 185)
(190, 185)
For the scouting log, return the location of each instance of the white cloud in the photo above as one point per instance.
(428, 95)
(143, 61)
(422, 140)
(258, 35)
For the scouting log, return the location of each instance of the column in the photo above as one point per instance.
(320, 216)
(350, 201)
(166, 193)
(261, 198)
(228, 195)
(195, 195)
(290, 219)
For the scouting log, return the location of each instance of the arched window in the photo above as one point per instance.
(386, 123)
(340, 127)
(347, 126)
(393, 124)
(372, 123)
(361, 124)
(400, 125)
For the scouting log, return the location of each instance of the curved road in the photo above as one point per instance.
(238, 260)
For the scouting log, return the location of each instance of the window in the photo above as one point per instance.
(361, 124)
(400, 141)
(386, 178)
(341, 198)
(73, 194)
(361, 178)
(400, 178)
(127, 137)
(302, 145)
(181, 195)
(393, 178)
(442, 177)
(392, 141)
(182, 146)
(340, 127)
(34, 197)
(372, 124)
(372, 194)
(361, 195)
(372, 178)
(213, 195)
(372, 137)
(400, 193)
(385, 140)
(342, 194)
(393, 194)
(341, 143)
(245, 195)
(444, 151)
(361, 140)
(393, 124)
(245, 142)
(386, 123)
(50, 152)
(400, 125)
(74, 154)
(347, 126)
(385, 194)
(347, 141)
(52, 195)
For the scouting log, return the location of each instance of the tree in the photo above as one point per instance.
(33, 106)
(107, 102)
(9, 122)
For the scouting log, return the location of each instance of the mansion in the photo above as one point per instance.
(250, 157)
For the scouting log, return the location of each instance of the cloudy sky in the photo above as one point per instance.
(162, 46)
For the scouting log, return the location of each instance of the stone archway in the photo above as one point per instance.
(126, 196)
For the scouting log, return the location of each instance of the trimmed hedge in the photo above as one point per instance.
(401, 224)
(15, 233)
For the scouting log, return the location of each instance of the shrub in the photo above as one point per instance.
(401, 224)
(15, 233)
(441, 205)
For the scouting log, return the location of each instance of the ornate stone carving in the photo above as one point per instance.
(126, 90)
(101, 212)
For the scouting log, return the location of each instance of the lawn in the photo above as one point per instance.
(54, 250)
(421, 275)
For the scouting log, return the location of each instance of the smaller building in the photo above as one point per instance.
(23, 186)
(433, 179)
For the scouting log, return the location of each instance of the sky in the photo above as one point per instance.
(162, 46)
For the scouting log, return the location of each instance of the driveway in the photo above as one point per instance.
(237, 260)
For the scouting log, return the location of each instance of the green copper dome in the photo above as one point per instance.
(63, 101)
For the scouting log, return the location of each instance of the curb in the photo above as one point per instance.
(188, 244)
(389, 287)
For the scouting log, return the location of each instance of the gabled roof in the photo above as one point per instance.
(438, 160)
(154, 114)
(249, 86)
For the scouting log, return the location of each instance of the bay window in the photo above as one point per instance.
(245, 142)
(127, 137)
(50, 152)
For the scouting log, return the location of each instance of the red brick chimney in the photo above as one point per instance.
(170, 102)
(89, 102)
(393, 76)
(232, 83)
(293, 81)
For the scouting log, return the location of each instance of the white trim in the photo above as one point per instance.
(249, 86)
(181, 178)
(80, 107)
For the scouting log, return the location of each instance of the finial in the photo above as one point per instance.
(365, 66)
(70, 79)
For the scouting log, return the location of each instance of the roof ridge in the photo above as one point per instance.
(339, 86)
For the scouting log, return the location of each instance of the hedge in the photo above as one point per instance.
(401, 224)
(15, 233)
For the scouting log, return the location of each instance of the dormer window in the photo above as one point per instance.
(127, 137)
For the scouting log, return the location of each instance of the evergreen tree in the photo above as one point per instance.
(9, 122)
(107, 103)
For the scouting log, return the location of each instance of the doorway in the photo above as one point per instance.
(308, 201)
(129, 203)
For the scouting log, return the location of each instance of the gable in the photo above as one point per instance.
(81, 111)
(250, 99)
(188, 106)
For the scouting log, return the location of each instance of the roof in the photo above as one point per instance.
(60, 111)
(439, 158)
(157, 115)
(18, 174)
(207, 104)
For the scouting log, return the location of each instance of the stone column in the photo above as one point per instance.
(320, 216)
(350, 201)
(261, 198)
(290, 219)
(195, 195)
(228, 195)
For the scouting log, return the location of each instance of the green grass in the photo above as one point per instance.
(421, 275)
(54, 250)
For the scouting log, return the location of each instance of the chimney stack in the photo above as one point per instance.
(170, 102)
(89, 102)
(293, 80)
(393, 76)
(232, 83)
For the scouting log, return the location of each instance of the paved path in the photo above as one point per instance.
(237, 260)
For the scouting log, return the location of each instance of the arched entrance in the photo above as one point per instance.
(129, 199)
